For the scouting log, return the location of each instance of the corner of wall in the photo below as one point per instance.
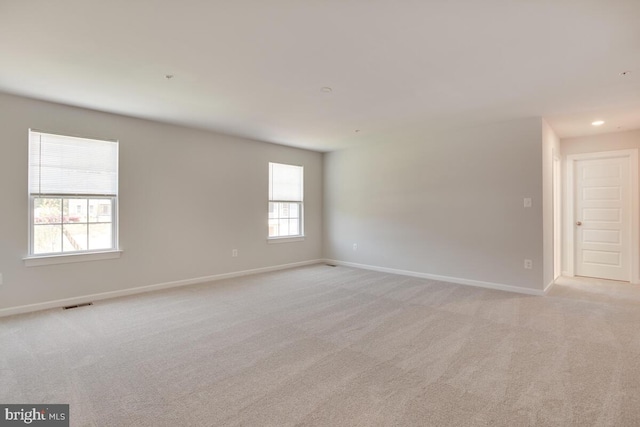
(550, 151)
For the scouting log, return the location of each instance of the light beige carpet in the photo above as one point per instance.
(333, 346)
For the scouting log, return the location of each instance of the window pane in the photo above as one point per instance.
(104, 211)
(100, 236)
(273, 210)
(73, 210)
(75, 237)
(65, 210)
(47, 239)
(294, 227)
(273, 228)
(294, 210)
(100, 210)
(47, 211)
(283, 227)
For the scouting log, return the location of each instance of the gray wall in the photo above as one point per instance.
(604, 142)
(450, 205)
(187, 198)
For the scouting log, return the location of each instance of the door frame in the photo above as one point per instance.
(632, 155)
(557, 214)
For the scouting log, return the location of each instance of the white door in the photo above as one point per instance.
(602, 218)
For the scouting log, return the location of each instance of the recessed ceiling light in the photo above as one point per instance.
(598, 123)
(326, 89)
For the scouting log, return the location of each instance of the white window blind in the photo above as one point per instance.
(64, 165)
(285, 182)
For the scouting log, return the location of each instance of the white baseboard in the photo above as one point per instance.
(549, 286)
(149, 288)
(456, 280)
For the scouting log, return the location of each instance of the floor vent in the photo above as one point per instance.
(77, 305)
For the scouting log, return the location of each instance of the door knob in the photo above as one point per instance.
(579, 223)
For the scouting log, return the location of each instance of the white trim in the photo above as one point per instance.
(456, 280)
(632, 154)
(556, 184)
(285, 239)
(568, 220)
(549, 286)
(635, 214)
(149, 288)
(35, 261)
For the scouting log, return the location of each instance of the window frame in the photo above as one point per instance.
(46, 258)
(290, 237)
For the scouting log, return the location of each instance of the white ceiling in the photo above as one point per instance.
(398, 68)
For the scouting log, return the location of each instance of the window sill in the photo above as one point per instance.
(285, 239)
(37, 260)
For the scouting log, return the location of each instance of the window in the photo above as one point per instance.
(285, 200)
(73, 194)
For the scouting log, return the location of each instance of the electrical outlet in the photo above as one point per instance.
(528, 264)
(355, 246)
(234, 252)
(527, 202)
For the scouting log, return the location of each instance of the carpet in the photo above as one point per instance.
(333, 346)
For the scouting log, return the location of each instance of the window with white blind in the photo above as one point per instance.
(73, 194)
(286, 190)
